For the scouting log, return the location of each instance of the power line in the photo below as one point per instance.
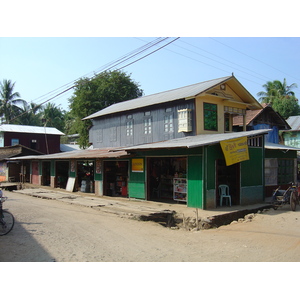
(110, 66)
(223, 59)
(255, 59)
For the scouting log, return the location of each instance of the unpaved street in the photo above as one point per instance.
(49, 230)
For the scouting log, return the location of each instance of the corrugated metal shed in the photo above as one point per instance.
(29, 129)
(197, 140)
(186, 92)
(78, 154)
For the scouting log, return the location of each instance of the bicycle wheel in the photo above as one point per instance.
(293, 200)
(6, 222)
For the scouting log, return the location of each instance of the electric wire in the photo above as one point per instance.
(109, 66)
(182, 41)
(255, 59)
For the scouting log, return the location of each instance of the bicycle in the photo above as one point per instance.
(7, 219)
(289, 196)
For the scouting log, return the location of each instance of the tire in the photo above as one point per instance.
(293, 200)
(6, 222)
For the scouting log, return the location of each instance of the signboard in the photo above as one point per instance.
(235, 150)
(70, 184)
(137, 165)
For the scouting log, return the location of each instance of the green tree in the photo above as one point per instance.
(53, 116)
(9, 101)
(92, 95)
(287, 106)
(281, 97)
(274, 90)
(30, 114)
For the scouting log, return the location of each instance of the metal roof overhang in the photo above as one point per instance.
(196, 141)
(273, 146)
(77, 154)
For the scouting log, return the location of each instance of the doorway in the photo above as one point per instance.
(46, 167)
(115, 178)
(229, 175)
(62, 174)
(161, 172)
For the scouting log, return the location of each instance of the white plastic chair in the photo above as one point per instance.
(224, 193)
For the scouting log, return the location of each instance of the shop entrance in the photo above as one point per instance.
(62, 173)
(46, 173)
(115, 178)
(229, 175)
(85, 173)
(160, 177)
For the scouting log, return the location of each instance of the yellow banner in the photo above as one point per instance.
(137, 165)
(235, 150)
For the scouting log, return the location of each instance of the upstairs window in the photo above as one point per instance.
(148, 126)
(14, 142)
(168, 122)
(129, 126)
(210, 116)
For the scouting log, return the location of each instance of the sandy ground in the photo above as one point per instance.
(53, 231)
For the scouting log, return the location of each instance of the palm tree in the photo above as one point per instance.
(276, 90)
(9, 101)
(53, 116)
(29, 115)
(284, 89)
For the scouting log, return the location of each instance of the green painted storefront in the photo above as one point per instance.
(205, 170)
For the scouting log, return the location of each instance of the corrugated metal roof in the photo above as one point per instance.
(273, 146)
(197, 140)
(167, 96)
(69, 147)
(294, 122)
(29, 129)
(78, 154)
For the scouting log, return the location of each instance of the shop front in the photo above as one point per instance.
(115, 178)
(166, 178)
(85, 176)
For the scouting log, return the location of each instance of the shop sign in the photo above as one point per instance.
(235, 150)
(137, 165)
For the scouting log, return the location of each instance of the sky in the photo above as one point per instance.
(42, 67)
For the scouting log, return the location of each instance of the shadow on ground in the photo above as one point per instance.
(20, 246)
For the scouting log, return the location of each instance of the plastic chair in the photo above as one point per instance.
(224, 193)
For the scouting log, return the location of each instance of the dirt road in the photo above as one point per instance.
(49, 230)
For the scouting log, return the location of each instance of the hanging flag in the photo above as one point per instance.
(235, 150)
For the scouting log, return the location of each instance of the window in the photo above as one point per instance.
(168, 123)
(14, 142)
(184, 120)
(210, 116)
(33, 144)
(129, 128)
(255, 142)
(147, 125)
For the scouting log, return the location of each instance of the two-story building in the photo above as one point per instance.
(176, 145)
(20, 140)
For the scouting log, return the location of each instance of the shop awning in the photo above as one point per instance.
(77, 154)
